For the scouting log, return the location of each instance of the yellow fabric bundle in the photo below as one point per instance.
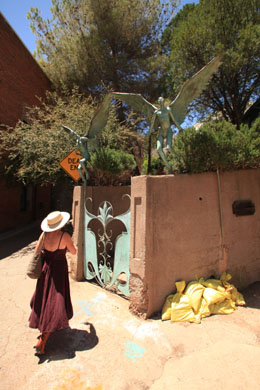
(225, 307)
(213, 296)
(237, 297)
(201, 299)
(167, 308)
(225, 277)
(177, 306)
(214, 283)
(182, 311)
(204, 310)
(195, 291)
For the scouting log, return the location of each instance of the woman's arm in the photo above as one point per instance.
(69, 244)
(39, 244)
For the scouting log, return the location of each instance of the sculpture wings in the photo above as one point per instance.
(97, 124)
(192, 88)
(99, 120)
(137, 102)
(189, 91)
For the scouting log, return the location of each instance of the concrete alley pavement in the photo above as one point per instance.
(107, 348)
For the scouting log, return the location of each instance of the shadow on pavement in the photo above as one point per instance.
(14, 241)
(63, 344)
(252, 295)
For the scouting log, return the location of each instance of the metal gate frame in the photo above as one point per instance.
(103, 271)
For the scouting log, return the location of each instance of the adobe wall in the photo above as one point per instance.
(176, 233)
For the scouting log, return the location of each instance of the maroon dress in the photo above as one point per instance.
(51, 302)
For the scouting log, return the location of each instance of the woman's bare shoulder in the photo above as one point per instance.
(69, 243)
(66, 236)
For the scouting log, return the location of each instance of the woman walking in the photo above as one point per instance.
(51, 303)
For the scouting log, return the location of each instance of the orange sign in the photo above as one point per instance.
(70, 164)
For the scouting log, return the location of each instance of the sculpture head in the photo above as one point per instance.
(161, 101)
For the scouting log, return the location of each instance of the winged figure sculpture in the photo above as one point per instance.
(164, 117)
(89, 142)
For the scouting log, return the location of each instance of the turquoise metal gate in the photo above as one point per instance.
(98, 262)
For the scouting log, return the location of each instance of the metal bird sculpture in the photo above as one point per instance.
(89, 142)
(174, 114)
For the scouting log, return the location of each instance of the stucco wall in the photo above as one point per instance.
(176, 233)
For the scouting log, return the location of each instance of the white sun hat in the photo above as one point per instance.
(55, 221)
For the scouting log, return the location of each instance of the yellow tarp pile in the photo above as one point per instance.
(201, 299)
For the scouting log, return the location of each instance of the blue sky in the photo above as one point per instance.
(15, 12)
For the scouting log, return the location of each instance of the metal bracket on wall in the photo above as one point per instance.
(243, 207)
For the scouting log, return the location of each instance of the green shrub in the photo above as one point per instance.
(110, 167)
(157, 166)
(217, 145)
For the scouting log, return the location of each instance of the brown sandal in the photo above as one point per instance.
(40, 346)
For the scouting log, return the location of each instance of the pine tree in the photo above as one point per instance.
(198, 33)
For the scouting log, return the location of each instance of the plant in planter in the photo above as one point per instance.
(110, 167)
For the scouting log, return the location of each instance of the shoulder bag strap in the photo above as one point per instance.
(43, 239)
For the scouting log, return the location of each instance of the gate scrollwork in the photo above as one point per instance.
(106, 270)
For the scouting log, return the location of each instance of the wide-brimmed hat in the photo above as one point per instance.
(55, 221)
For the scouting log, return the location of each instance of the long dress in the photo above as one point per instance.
(51, 302)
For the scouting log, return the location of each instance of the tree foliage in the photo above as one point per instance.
(217, 145)
(99, 45)
(92, 43)
(212, 27)
(31, 152)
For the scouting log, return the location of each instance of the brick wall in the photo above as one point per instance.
(21, 82)
(21, 78)
(18, 209)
